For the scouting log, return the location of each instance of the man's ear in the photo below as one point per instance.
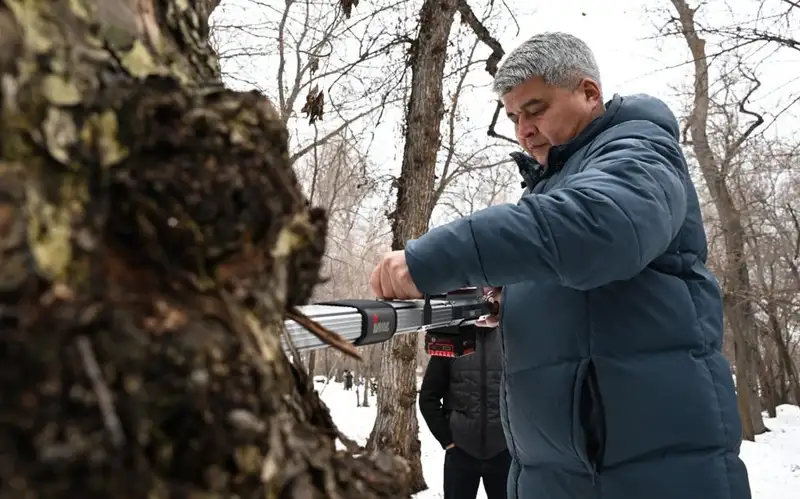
(591, 91)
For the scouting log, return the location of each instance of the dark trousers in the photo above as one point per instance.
(463, 473)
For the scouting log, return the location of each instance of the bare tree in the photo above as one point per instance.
(466, 155)
(323, 60)
(154, 237)
(715, 167)
(476, 191)
(337, 178)
(396, 426)
(340, 178)
(763, 187)
(760, 172)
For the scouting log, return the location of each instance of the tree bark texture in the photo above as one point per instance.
(152, 234)
(739, 310)
(396, 427)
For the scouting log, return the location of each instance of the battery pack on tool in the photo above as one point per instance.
(451, 342)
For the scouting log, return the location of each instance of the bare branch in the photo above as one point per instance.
(759, 119)
(468, 17)
(491, 131)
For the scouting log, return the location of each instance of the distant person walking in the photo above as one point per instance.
(460, 402)
(348, 380)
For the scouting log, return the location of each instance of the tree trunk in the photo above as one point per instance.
(365, 394)
(785, 364)
(738, 305)
(312, 363)
(153, 234)
(766, 382)
(396, 426)
(783, 393)
(746, 358)
(363, 376)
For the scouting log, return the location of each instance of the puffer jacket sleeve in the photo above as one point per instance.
(603, 224)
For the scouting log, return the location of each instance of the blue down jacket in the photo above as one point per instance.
(614, 386)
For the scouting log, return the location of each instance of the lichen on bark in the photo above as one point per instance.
(152, 235)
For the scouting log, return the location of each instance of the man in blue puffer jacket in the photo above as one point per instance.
(614, 383)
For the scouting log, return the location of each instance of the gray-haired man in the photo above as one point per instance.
(614, 384)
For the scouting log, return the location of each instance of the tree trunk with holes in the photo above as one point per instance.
(153, 233)
(739, 310)
(396, 427)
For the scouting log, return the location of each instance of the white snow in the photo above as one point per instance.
(773, 461)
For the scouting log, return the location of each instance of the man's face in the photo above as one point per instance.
(545, 115)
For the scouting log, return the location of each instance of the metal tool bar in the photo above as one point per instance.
(365, 322)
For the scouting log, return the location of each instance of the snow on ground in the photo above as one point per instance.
(773, 460)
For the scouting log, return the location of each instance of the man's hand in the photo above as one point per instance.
(493, 296)
(391, 280)
(450, 446)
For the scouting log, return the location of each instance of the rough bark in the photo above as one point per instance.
(152, 235)
(739, 309)
(396, 426)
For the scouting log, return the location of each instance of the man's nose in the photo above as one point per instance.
(526, 127)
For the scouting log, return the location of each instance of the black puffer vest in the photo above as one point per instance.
(474, 398)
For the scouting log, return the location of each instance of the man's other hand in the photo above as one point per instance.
(391, 280)
(450, 446)
(492, 295)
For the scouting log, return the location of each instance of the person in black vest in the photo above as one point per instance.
(460, 402)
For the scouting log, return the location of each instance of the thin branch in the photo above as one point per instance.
(105, 400)
(345, 123)
(469, 17)
(491, 131)
(759, 119)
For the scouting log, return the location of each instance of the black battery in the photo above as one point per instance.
(450, 342)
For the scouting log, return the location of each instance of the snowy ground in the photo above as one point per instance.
(773, 461)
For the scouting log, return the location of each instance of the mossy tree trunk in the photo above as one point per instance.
(152, 234)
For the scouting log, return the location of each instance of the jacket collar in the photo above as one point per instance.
(532, 171)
